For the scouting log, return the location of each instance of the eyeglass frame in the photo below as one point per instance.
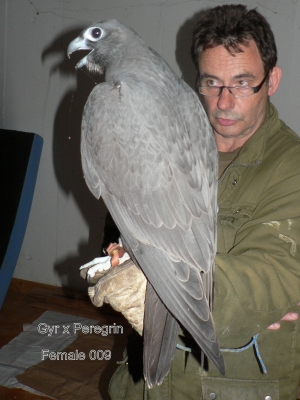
(255, 89)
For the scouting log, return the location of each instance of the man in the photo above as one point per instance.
(257, 277)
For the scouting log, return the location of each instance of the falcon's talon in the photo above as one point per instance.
(115, 258)
(98, 264)
(98, 268)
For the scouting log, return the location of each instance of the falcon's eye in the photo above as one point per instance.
(94, 34)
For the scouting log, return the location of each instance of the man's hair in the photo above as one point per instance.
(231, 26)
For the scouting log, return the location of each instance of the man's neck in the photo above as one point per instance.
(230, 144)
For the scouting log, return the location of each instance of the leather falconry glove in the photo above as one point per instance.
(122, 286)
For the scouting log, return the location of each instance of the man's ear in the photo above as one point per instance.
(274, 80)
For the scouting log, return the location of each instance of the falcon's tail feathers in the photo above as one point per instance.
(160, 339)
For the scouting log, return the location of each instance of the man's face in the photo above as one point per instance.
(233, 119)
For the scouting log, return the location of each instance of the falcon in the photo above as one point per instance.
(148, 149)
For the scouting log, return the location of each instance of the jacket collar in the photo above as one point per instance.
(253, 150)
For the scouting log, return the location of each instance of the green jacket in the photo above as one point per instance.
(257, 280)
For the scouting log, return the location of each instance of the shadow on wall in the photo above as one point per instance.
(67, 165)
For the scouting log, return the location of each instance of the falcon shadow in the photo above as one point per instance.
(67, 164)
(69, 174)
(183, 49)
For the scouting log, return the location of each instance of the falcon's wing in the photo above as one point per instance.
(151, 152)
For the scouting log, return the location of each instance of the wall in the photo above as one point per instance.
(40, 92)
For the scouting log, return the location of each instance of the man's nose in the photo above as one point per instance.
(226, 100)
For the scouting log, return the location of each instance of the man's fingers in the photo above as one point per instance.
(274, 327)
(291, 316)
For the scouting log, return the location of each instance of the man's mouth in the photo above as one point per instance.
(226, 121)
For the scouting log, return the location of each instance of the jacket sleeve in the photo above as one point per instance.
(258, 280)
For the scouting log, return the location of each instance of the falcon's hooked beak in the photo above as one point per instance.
(79, 44)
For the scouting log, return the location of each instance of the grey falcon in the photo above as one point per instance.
(148, 149)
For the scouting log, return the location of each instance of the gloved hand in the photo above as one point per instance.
(122, 286)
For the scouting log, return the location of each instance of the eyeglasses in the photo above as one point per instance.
(236, 91)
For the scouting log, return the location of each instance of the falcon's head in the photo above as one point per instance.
(107, 42)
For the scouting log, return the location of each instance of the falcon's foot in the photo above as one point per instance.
(94, 270)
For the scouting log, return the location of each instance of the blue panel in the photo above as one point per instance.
(17, 231)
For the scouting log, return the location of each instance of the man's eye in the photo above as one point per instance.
(242, 83)
(211, 82)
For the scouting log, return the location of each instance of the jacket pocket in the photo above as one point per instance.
(237, 389)
(230, 221)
